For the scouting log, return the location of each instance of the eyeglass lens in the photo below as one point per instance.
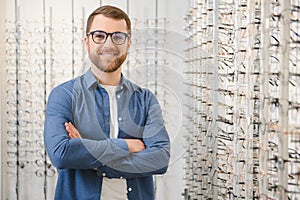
(100, 37)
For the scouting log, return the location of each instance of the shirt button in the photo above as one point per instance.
(118, 96)
(103, 174)
(121, 87)
(120, 119)
(129, 189)
(121, 177)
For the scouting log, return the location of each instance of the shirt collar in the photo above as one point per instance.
(91, 80)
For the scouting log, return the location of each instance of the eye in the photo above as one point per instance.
(119, 36)
(99, 35)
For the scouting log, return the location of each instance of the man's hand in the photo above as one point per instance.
(72, 131)
(134, 145)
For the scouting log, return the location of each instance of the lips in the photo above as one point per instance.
(108, 53)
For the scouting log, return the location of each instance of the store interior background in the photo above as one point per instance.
(226, 73)
(41, 46)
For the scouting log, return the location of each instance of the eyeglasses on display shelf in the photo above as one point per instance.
(249, 54)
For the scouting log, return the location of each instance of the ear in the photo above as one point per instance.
(86, 42)
(129, 43)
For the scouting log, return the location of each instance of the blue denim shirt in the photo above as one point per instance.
(85, 103)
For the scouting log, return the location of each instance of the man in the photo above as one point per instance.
(103, 133)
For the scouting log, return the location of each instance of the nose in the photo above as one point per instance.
(108, 41)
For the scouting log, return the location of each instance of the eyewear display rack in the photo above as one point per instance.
(243, 100)
(44, 48)
(40, 53)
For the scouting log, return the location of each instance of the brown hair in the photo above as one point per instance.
(111, 12)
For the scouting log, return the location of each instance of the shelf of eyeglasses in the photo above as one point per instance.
(39, 167)
(29, 110)
(291, 190)
(23, 94)
(20, 101)
(230, 91)
(22, 73)
(226, 140)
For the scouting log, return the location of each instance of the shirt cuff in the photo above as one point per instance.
(121, 143)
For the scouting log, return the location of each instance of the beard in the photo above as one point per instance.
(105, 65)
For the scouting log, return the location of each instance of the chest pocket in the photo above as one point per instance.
(84, 115)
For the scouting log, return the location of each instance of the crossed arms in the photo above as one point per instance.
(129, 156)
(134, 145)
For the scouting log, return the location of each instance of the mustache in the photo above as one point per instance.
(112, 51)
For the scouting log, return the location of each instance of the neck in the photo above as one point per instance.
(104, 78)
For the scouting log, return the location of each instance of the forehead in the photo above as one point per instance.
(107, 24)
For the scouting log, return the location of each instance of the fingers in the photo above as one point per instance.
(135, 145)
(72, 131)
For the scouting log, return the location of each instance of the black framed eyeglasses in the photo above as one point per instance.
(100, 37)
